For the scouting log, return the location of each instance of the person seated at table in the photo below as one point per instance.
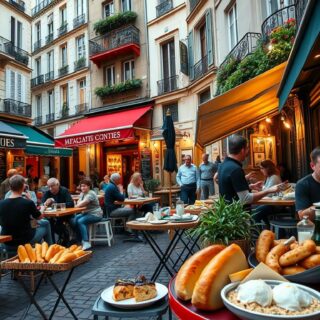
(43, 187)
(81, 176)
(272, 178)
(58, 194)
(92, 214)
(5, 186)
(114, 192)
(16, 213)
(27, 193)
(308, 188)
(103, 184)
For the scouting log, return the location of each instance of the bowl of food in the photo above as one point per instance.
(271, 300)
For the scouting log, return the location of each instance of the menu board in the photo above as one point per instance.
(3, 165)
(146, 164)
(114, 164)
(18, 162)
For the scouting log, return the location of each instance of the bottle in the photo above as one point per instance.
(305, 229)
(316, 234)
(179, 207)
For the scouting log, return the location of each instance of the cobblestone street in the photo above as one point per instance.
(123, 259)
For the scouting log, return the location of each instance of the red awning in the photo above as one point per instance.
(112, 126)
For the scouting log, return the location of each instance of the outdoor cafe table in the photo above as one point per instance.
(139, 201)
(279, 202)
(76, 197)
(165, 256)
(63, 213)
(5, 238)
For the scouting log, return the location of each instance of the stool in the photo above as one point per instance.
(103, 309)
(286, 224)
(96, 236)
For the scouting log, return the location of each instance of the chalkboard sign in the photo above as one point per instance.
(3, 165)
(18, 162)
(146, 164)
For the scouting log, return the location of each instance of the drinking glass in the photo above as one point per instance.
(54, 206)
(156, 211)
(62, 206)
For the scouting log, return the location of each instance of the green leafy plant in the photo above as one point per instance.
(118, 88)
(80, 63)
(151, 185)
(224, 223)
(65, 109)
(114, 22)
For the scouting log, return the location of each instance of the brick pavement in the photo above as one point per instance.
(87, 282)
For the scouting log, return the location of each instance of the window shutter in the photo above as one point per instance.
(19, 87)
(12, 85)
(209, 37)
(23, 89)
(8, 78)
(190, 55)
(183, 58)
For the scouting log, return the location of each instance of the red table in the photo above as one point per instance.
(185, 310)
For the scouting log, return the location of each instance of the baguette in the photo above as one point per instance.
(31, 252)
(39, 252)
(44, 249)
(272, 259)
(22, 254)
(292, 270)
(68, 257)
(52, 251)
(57, 256)
(264, 244)
(311, 262)
(73, 248)
(80, 253)
(190, 271)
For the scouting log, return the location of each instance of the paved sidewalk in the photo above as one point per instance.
(88, 281)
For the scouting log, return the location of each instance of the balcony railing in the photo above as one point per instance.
(63, 29)
(63, 71)
(49, 76)
(20, 5)
(49, 38)
(42, 5)
(80, 64)
(114, 39)
(277, 19)
(80, 108)
(37, 45)
(64, 112)
(200, 68)
(38, 120)
(17, 108)
(49, 117)
(167, 85)
(79, 20)
(244, 47)
(193, 4)
(18, 54)
(164, 7)
(37, 81)
(300, 9)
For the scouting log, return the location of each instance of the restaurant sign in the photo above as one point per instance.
(12, 143)
(75, 141)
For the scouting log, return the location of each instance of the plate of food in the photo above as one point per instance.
(158, 221)
(143, 219)
(271, 300)
(134, 293)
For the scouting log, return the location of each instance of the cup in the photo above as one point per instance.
(54, 206)
(150, 194)
(62, 206)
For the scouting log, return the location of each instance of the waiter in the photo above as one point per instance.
(188, 180)
(207, 170)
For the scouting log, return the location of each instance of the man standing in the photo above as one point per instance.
(207, 170)
(233, 183)
(188, 180)
(5, 185)
(308, 188)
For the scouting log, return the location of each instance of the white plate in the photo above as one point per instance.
(158, 221)
(107, 294)
(143, 219)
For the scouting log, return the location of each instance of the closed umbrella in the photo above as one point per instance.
(170, 160)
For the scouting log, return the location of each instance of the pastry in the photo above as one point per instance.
(264, 244)
(123, 289)
(144, 290)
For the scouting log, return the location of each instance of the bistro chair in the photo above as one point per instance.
(101, 232)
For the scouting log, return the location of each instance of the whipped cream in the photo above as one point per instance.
(288, 296)
(255, 291)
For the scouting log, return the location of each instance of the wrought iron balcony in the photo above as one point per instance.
(80, 108)
(37, 45)
(49, 38)
(167, 85)
(80, 64)
(63, 29)
(37, 81)
(16, 53)
(64, 112)
(277, 19)
(63, 71)
(38, 120)
(79, 20)
(300, 9)
(49, 76)
(200, 68)
(50, 117)
(17, 108)
(20, 5)
(164, 7)
(244, 47)
(124, 40)
(42, 5)
(193, 4)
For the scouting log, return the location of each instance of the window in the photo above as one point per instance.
(168, 60)
(38, 67)
(50, 102)
(50, 64)
(173, 110)
(38, 31)
(19, 34)
(81, 49)
(110, 75)
(204, 96)
(108, 9)
(64, 57)
(82, 91)
(64, 94)
(128, 70)
(63, 16)
(80, 7)
(15, 86)
(275, 5)
(13, 30)
(39, 105)
(203, 41)
(232, 26)
(126, 5)
(50, 24)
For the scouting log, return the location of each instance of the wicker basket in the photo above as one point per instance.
(11, 264)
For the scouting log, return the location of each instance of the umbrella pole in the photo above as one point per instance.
(170, 196)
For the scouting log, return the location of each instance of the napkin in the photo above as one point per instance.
(150, 217)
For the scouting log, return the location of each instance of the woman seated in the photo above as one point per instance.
(92, 214)
(103, 184)
(272, 177)
(16, 213)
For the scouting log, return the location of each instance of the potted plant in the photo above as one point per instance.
(151, 185)
(226, 223)
(65, 109)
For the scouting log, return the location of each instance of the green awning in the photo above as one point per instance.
(306, 38)
(48, 151)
